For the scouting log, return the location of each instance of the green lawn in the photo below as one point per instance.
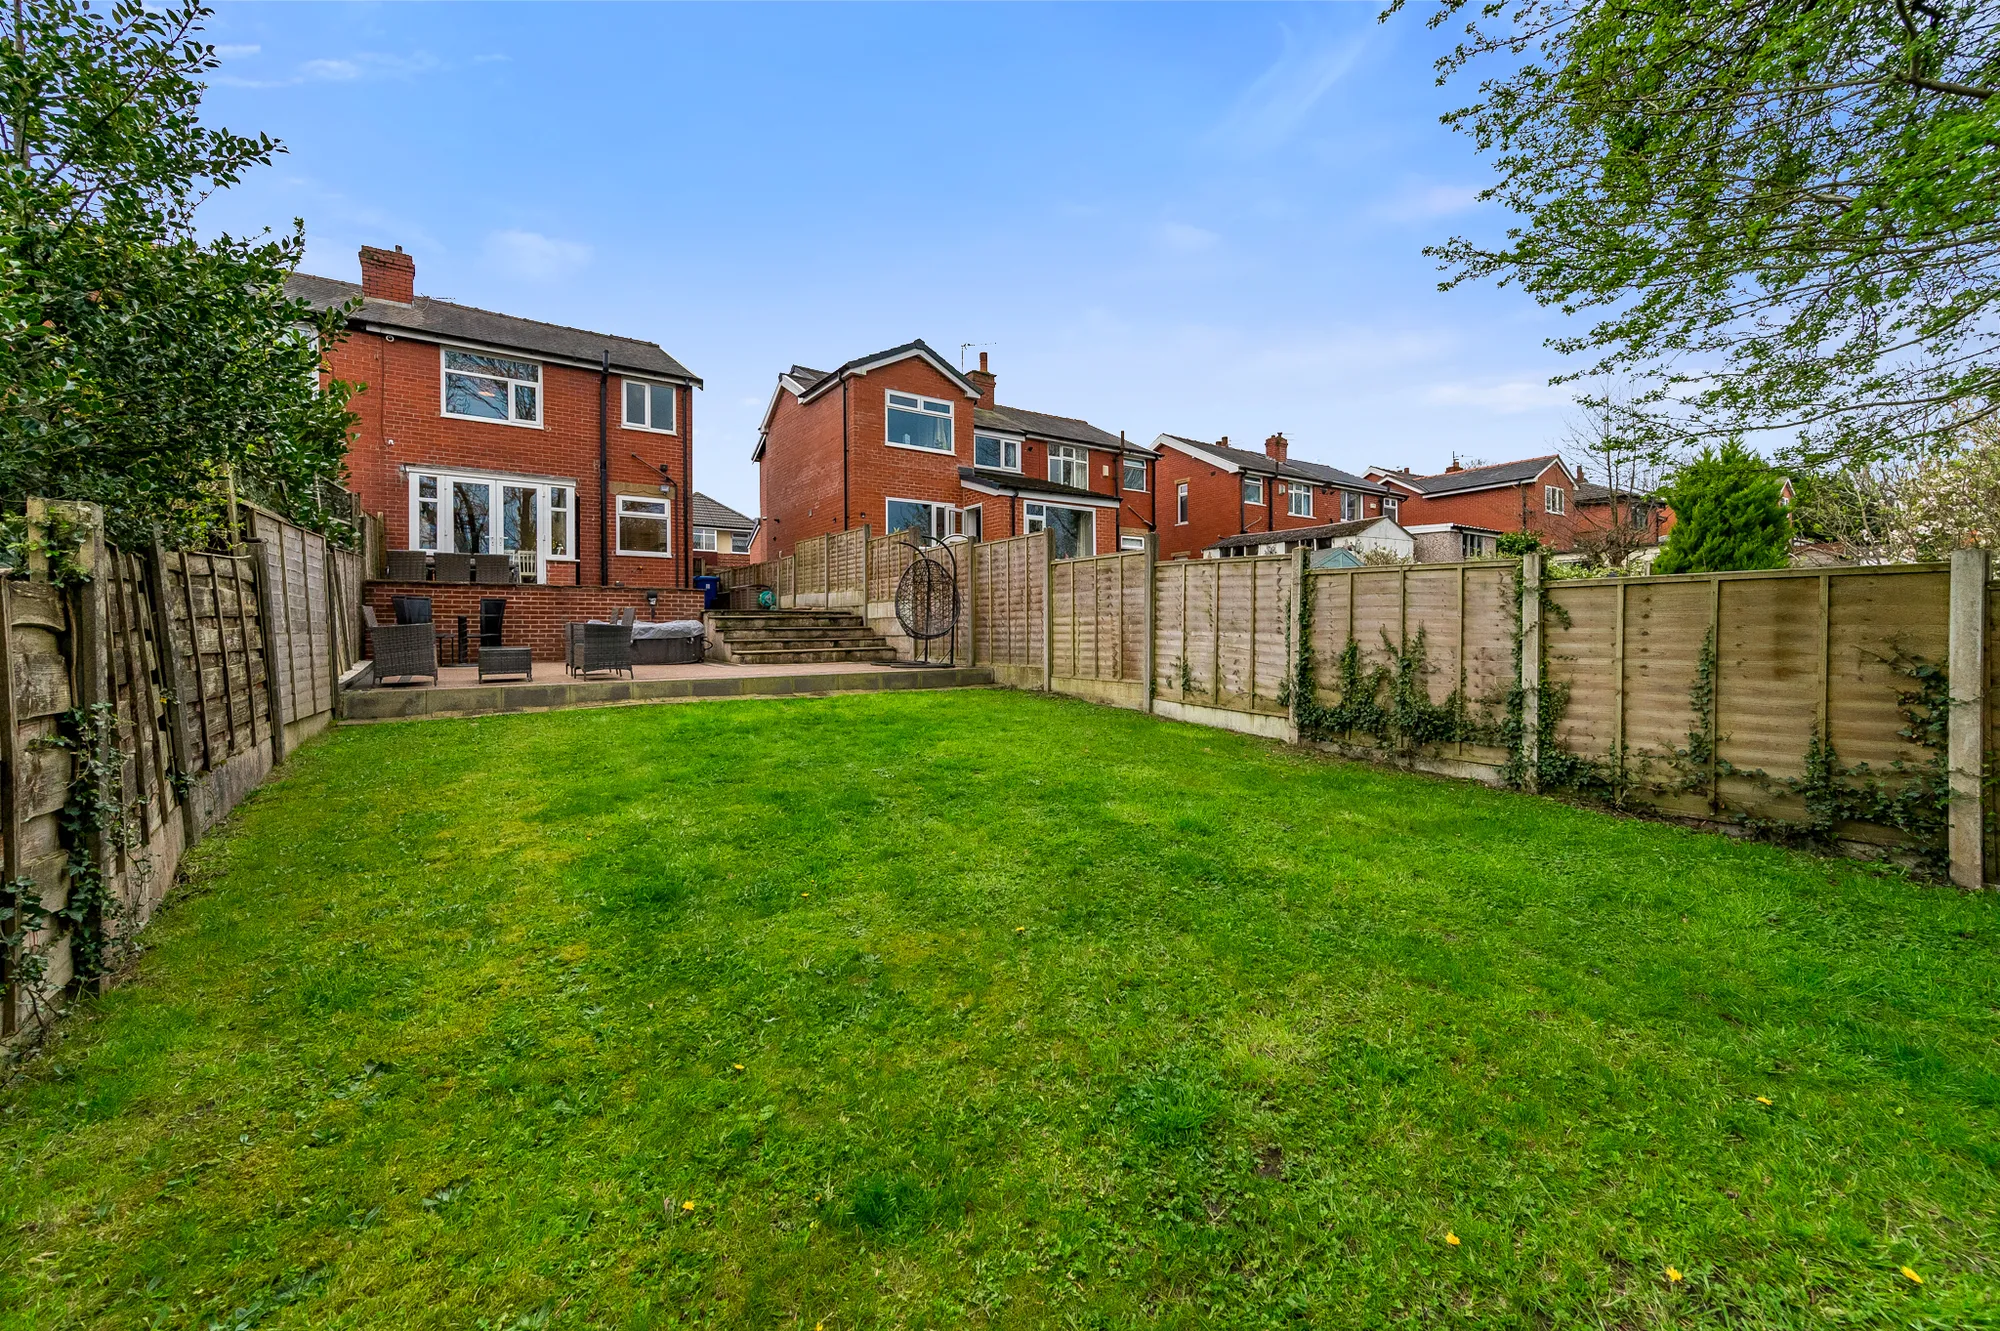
(986, 1008)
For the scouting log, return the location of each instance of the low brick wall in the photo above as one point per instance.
(535, 613)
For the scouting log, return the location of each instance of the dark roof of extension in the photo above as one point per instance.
(1262, 464)
(1590, 492)
(1013, 482)
(1478, 478)
(1064, 429)
(714, 513)
(919, 347)
(433, 320)
(1325, 531)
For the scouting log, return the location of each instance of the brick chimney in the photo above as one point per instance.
(1454, 465)
(1222, 442)
(983, 380)
(1275, 447)
(388, 275)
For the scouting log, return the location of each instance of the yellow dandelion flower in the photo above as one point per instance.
(737, 1066)
(1763, 1099)
(1020, 928)
(1451, 1238)
(1912, 1276)
(687, 1205)
(1674, 1277)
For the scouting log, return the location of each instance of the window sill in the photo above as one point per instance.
(489, 420)
(914, 448)
(644, 429)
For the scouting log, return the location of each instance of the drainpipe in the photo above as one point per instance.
(843, 456)
(687, 488)
(604, 471)
(1118, 491)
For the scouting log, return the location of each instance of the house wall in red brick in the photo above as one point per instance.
(1505, 509)
(1214, 510)
(535, 614)
(403, 426)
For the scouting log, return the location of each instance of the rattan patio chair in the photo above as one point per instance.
(409, 566)
(411, 609)
(405, 651)
(453, 568)
(596, 647)
(495, 570)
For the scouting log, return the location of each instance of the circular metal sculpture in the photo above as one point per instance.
(927, 603)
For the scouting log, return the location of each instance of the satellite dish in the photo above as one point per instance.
(927, 603)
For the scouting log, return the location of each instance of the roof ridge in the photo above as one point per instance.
(481, 309)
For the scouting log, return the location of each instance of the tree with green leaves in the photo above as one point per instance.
(1782, 215)
(1729, 514)
(140, 366)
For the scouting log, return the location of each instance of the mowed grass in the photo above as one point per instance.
(991, 1009)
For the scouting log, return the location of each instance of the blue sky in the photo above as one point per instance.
(1188, 218)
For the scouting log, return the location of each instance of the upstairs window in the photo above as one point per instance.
(1069, 465)
(1350, 506)
(479, 387)
(704, 538)
(1135, 474)
(739, 543)
(919, 422)
(650, 406)
(1389, 506)
(996, 452)
(1253, 489)
(1299, 500)
(1553, 499)
(1180, 503)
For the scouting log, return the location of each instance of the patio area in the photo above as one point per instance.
(459, 691)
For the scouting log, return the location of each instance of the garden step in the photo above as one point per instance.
(767, 636)
(808, 654)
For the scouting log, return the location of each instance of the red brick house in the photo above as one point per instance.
(1532, 494)
(484, 433)
(1210, 493)
(902, 440)
(722, 536)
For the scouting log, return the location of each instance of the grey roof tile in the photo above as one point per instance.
(1478, 478)
(446, 321)
(714, 513)
(1261, 464)
(1325, 531)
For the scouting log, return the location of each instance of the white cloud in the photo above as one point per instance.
(1271, 108)
(237, 52)
(1507, 397)
(1181, 238)
(533, 256)
(349, 69)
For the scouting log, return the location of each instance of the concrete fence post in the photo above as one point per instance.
(1295, 642)
(1048, 609)
(1966, 723)
(1531, 665)
(1148, 652)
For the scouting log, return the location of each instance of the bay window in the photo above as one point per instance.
(479, 387)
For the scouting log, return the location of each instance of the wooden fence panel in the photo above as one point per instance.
(1170, 646)
(34, 777)
(1009, 587)
(1098, 618)
(1580, 634)
(847, 566)
(1877, 617)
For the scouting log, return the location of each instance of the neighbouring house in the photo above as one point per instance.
(1453, 542)
(1210, 492)
(1532, 494)
(1362, 536)
(902, 440)
(722, 536)
(485, 433)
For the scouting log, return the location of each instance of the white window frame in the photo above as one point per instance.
(625, 405)
(1351, 499)
(497, 484)
(946, 519)
(1553, 500)
(710, 547)
(445, 371)
(1125, 477)
(1007, 444)
(1391, 505)
(1131, 543)
(1292, 506)
(618, 524)
(1180, 504)
(972, 522)
(1034, 517)
(1062, 457)
(1258, 481)
(734, 538)
(926, 406)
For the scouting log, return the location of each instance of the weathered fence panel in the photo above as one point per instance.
(1010, 608)
(1098, 625)
(1223, 631)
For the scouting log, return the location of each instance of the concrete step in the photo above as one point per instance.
(730, 621)
(780, 655)
(801, 641)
